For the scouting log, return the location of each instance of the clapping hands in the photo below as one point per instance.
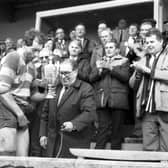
(140, 67)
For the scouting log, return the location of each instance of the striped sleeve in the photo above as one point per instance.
(23, 90)
(8, 68)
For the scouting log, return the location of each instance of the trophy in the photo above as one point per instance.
(50, 74)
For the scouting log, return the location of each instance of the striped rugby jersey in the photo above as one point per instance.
(18, 76)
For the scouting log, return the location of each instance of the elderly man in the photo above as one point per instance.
(66, 121)
(150, 80)
(105, 36)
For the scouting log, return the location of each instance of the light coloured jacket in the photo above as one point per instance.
(161, 84)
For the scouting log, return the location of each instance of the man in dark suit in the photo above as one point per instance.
(120, 33)
(60, 41)
(87, 44)
(67, 120)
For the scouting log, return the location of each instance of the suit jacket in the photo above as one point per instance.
(97, 54)
(161, 86)
(62, 46)
(87, 48)
(77, 106)
(116, 35)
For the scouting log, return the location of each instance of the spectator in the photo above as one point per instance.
(34, 38)
(75, 54)
(61, 42)
(101, 26)
(98, 52)
(10, 45)
(150, 81)
(49, 44)
(51, 34)
(66, 121)
(135, 55)
(109, 78)
(120, 33)
(20, 43)
(132, 39)
(87, 45)
(72, 35)
(145, 26)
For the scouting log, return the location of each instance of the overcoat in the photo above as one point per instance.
(77, 106)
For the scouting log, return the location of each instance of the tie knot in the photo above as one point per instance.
(66, 88)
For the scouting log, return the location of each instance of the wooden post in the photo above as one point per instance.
(158, 13)
(38, 22)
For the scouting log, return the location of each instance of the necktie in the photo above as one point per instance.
(81, 42)
(121, 35)
(62, 93)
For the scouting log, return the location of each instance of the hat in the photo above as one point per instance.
(149, 20)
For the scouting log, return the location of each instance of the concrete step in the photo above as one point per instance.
(129, 143)
(125, 146)
(132, 146)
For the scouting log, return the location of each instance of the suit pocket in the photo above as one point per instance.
(164, 98)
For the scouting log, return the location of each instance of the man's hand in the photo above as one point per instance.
(140, 67)
(100, 64)
(67, 126)
(43, 141)
(22, 120)
(139, 50)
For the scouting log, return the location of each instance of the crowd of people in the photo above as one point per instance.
(54, 91)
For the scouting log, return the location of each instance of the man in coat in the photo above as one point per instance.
(109, 77)
(150, 81)
(67, 120)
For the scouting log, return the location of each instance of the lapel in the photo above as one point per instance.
(69, 92)
(58, 90)
(84, 43)
(117, 34)
(100, 53)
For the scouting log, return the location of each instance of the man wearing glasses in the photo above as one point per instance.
(67, 120)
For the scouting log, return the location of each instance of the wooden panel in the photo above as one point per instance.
(74, 163)
(121, 155)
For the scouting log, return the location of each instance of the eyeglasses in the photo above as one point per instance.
(46, 57)
(65, 73)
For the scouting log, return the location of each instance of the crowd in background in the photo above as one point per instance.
(105, 80)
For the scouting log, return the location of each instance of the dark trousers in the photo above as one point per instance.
(35, 148)
(109, 130)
